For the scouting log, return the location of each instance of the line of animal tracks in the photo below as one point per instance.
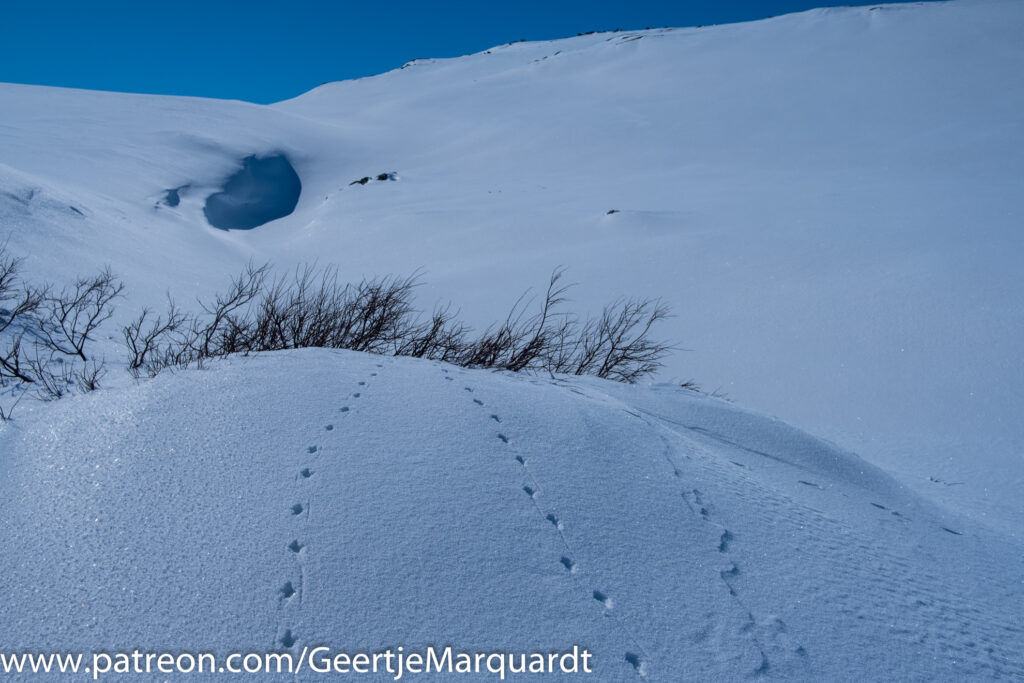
(531, 488)
(315, 456)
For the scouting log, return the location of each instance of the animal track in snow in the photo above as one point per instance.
(955, 533)
(729, 573)
(288, 640)
(880, 507)
(295, 546)
(450, 379)
(311, 450)
(531, 489)
(306, 473)
(287, 590)
(637, 663)
(362, 384)
(329, 428)
(694, 499)
(297, 509)
(356, 395)
(699, 505)
(468, 389)
(343, 409)
(808, 483)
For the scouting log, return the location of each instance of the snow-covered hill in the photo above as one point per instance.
(831, 203)
(316, 497)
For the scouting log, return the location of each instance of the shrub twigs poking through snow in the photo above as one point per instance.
(44, 336)
(311, 308)
(19, 304)
(70, 317)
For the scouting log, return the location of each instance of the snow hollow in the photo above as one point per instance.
(264, 189)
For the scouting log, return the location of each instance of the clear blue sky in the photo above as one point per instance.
(270, 50)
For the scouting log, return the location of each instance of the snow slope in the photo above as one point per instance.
(830, 201)
(672, 534)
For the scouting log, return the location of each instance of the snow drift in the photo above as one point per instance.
(338, 498)
(829, 202)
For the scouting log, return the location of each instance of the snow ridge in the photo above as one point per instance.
(392, 501)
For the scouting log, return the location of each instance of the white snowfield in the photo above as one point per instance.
(360, 502)
(831, 202)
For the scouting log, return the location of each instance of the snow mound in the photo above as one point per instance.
(321, 497)
(263, 190)
(866, 288)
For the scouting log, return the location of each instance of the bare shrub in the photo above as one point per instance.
(441, 338)
(524, 342)
(311, 308)
(229, 325)
(19, 304)
(88, 375)
(67, 319)
(618, 344)
(149, 340)
(45, 337)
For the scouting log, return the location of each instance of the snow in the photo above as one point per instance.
(447, 506)
(263, 190)
(830, 202)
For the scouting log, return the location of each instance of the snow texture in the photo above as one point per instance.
(830, 202)
(311, 497)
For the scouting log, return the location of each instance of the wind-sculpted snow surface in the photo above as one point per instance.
(334, 498)
(263, 190)
(828, 201)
